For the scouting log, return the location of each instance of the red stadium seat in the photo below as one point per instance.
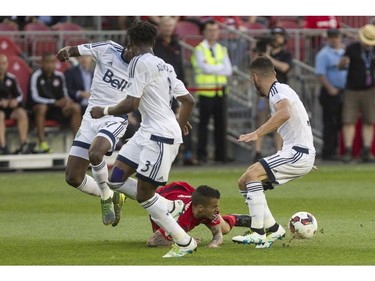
(43, 45)
(186, 28)
(5, 26)
(40, 38)
(36, 26)
(73, 33)
(254, 25)
(18, 67)
(288, 24)
(9, 47)
(67, 26)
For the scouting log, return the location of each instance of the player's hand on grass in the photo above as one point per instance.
(97, 112)
(213, 245)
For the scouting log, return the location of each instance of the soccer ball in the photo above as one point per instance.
(303, 225)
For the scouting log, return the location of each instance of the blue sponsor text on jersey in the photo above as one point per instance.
(115, 83)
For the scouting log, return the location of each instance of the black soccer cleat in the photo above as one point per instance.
(242, 220)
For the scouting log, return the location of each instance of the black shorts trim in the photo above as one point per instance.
(161, 139)
(271, 176)
(301, 149)
(127, 161)
(87, 146)
(147, 179)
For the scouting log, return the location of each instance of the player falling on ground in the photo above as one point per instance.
(294, 160)
(201, 206)
(153, 148)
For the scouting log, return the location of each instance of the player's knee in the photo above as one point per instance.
(72, 180)
(242, 183)
(95, 157)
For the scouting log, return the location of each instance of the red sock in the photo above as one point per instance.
(231, 220)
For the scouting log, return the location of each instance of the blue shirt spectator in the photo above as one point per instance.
(333, 80)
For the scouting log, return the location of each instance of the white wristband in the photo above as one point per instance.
(105, 111)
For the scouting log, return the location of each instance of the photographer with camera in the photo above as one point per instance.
(272, 45)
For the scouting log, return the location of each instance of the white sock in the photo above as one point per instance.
(129, 187)
(168, 203)
(159, 213)
(256, 201)
(100, 174)
(89, 186)
(268, 217)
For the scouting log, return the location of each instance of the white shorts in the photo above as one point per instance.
(151, 155)
(288, 164)
(110, 127)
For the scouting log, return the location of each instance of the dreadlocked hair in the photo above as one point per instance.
(142, 32)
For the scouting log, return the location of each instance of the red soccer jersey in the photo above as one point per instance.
(182, 191)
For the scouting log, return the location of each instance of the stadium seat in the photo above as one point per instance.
(36, 26)
(292, 20)
(4, 26)
(186, 28)
(254, 25)
(73, 34)
(67, 26)
(288, 24)
(42, 45)
(40, 38)
(21, 70)
(9, 47)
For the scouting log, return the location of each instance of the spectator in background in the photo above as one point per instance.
(333, 82)
(359, 93)
(78, 81)
(275, 49)
(237, 46)
(50, 100)
(212, 66)
(167, 48)
(11, 107)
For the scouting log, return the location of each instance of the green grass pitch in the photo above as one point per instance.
(43, 221)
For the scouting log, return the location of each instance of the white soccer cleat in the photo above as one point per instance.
(179, 251)
(250, 238)
(272, 238)
(178, 208)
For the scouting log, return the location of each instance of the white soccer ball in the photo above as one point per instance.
(303, 225)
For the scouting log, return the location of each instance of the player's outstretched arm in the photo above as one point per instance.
(281, 115)
(69, 51)
(217, 236)
(125, 106)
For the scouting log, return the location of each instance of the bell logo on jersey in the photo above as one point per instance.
(115, 83)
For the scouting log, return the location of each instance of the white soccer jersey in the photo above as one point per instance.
(297, 129)
(110, 75)
(155, 83)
